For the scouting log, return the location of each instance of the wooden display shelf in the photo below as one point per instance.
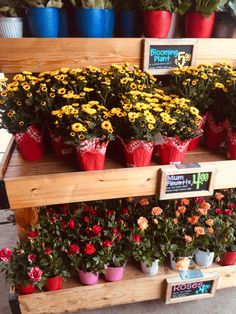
(51, 181)
(44, 54)
(74, 297)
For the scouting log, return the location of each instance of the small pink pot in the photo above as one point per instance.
(88, 278)
(114, 273)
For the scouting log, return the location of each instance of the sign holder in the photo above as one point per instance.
(193, 289)
(188, 181)
(163, 55)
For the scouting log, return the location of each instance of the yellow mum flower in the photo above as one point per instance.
(10, 114)
(150, 126)
(26, 87)
(127, 106)
(21, 123)
(88, 109)
(150, 119)
(78, 127)
(61, 91)
(106, 125)
(194, 110)
(86, 89)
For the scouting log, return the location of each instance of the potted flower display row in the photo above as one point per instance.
(88, 240)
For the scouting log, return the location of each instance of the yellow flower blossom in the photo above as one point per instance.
(78, 127)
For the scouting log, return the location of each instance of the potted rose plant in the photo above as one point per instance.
(19, 116)
(146, 238)
(224, 205)
(19, 265)
(11, 22)
(156, 17)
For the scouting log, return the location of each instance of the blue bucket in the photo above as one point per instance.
(63, 23)
(109, 23)
(89, 22)
(130, 23)
(43, 22)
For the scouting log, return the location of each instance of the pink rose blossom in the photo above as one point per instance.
(31, 258)
(35, 274)
(5, 255)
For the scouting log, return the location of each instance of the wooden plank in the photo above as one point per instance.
(43, 54)
(109, 294)
(36, 54)
(30, 191)
(4, 161)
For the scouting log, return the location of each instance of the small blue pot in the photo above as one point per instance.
(43, 22)
(109, 23)
(130, 23)
(63, 23)
(90, 22)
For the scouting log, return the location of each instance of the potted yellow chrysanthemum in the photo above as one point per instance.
(88, 128)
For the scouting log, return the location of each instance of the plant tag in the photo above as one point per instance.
(158, 139)
(191, 274)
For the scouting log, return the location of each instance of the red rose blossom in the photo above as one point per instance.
(64, 209)
(31, 258)
(5, 255)
(86, 219)
(87, 207)
(114, 231)
(110, 212)
(49, 211)
(228, 212)
(33, 234)
(48, 250)
(199, 200)
(137, 238)
(89, 249)
(119, 236)
(72, 223)
(107, 243)
(219, 211)
(93, 212)
(231, 205)
(96, 229)
(125, 210)
(73, 249)
(35, 273)
(64, 225)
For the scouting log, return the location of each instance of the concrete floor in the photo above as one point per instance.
(223, 303)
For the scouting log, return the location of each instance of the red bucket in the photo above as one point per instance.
(26, 289)
(91, 154)
(156, 24)
(30, 143)
(199, 26)
(229, 258)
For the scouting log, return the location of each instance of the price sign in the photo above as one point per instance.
(191, 180)
(193, 289)
(161, 56)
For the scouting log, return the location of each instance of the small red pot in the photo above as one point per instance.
(138, 153)
(199, 26)
(26, 289)
(91, 154)
(30, 143)
(156, 24)
(229, 258)
(214, 134)
(172, 150)
(53, 283)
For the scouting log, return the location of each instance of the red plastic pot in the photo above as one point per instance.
(26, 289)
(60, 149)
(229, 258)
(30, 143)
(53, 283)
(199, 26)
(156, 24)
(172, 150)
(214, 133)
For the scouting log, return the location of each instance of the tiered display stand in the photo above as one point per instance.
(25, 185)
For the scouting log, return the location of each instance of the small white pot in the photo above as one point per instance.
(203, 258)
(152, 270)
(185, 261)
(11, 27)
